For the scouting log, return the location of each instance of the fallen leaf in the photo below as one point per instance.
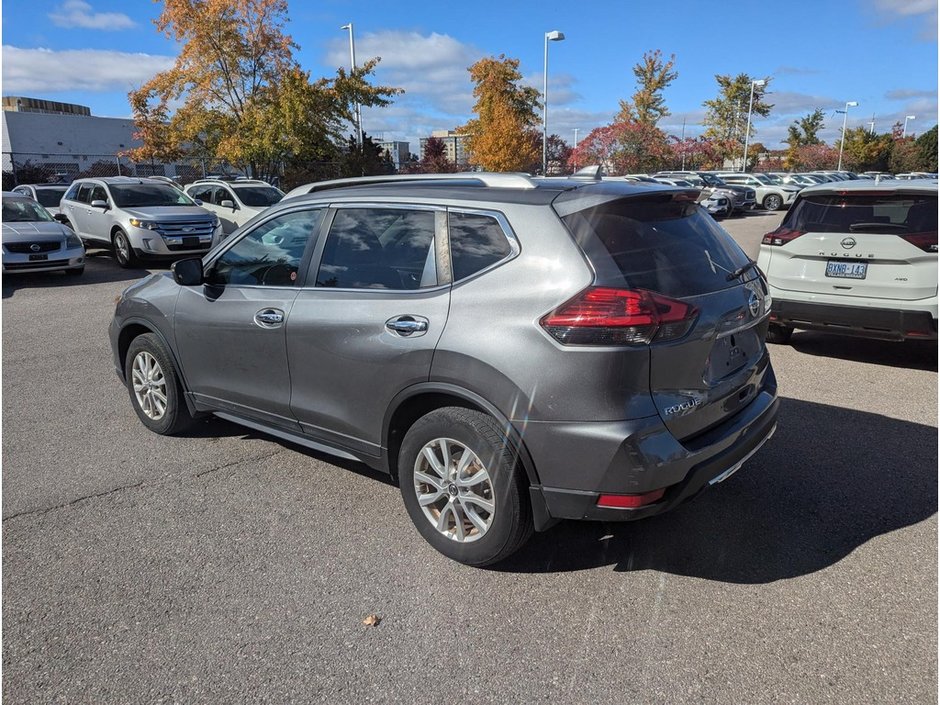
(372, 620)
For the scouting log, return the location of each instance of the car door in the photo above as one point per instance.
(76, 204)
(230, 332)
(97, 221)
(228, 214)
(365, 326)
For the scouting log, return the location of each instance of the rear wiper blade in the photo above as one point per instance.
(741, 270)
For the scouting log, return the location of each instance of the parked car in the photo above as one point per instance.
(514, 351)
(167, 180)
(718, 205)
(34, 242)
(234, 202)
(769, 195)
(743, 198)
(139, 218)
(857, 258)
(46, 195)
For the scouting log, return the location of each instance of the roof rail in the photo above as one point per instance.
(495, 180)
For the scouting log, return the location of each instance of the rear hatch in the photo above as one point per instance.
(673, 270)
(874, 244)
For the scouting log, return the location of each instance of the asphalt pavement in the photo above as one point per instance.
(228, 567)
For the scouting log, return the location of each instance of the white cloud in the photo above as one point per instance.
(906, 93)
(924, 11)
(77, 13)
(47, 70)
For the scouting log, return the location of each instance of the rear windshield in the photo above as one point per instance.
(656, 243)
(864, 213)
(261, 196)
(50, 197)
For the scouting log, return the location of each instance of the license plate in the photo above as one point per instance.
(38, 258)
(840, 269)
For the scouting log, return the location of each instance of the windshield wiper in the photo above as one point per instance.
(741, 270)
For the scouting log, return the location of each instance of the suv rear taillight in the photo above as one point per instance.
(606, 316)
(925, 241)
(781, 236)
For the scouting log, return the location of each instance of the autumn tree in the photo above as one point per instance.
(244, 99)
(864, 151)
(557, 151)
(802, 132)
(152, 122)
(434, 160)
(624, 148)
(498, 137)
(653, 75)
(726, 115)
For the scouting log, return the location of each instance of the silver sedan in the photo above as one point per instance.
(34, 242)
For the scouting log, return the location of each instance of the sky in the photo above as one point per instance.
(817, 54)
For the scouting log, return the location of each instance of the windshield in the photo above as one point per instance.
(258, 196)
(712, 180)
(50, 197)
(763, 178)
(772, 179)
(143, 195)
(844, 213)
(17, 211)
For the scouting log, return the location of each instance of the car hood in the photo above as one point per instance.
(28, 232)
(169, 213)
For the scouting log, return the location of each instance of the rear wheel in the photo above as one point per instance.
(772, 202)
(778, 334)
(154, 387)
(122, 250)
(463, 486)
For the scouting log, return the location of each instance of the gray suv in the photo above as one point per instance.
(138, 218)
(513, 351)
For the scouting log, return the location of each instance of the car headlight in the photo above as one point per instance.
(72, 240)
(145, 224)
(215, 220)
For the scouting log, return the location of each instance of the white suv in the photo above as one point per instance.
(772, 196)
(856, 258)
(234, 202)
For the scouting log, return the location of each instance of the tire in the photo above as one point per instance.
(75, 272)
(471, 533)
(156, 372)
(123, 252)
(779, 335)
(772, 202)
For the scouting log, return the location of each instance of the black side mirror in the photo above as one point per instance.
(62, 218)
(188, 272)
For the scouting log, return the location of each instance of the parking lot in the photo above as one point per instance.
(226, 566)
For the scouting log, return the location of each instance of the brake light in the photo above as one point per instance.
(781, 236)
(629, 501)
(925, 241)
(607, 316)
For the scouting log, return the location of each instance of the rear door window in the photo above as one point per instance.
(379, 248)
(84, 193)
(657, 243)
(890, 213)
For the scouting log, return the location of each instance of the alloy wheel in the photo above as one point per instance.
(454, 490)
(149, 385)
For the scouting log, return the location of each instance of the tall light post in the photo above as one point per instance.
(906, 118)
(352, 63)
(845, 116)
(760, 83)
(553, 36)
(576, 137)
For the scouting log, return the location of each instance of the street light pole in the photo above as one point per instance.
(553, 36)
(352, 63)
(906, 118)
(845, 116)
(747, 131)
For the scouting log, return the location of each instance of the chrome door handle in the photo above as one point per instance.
(269, 317)
(407, 325)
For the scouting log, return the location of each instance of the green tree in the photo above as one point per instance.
(927, 150)
(369, 160)
(802, 133)
(653, 76)
(726, 115)
(498, 137)
(864, 151)
(244, 98)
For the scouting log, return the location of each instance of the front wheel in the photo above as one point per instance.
(154, 387)
(779, 335)
(122, 250)
(772, 202)
(463, 486)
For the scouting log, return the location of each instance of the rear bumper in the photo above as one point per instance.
(880, 323)
(640, 456)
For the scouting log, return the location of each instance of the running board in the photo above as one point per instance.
(297, 438)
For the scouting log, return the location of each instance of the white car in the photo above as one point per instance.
(46, 195)
(771, 196)
(234, 202)
(857, 258)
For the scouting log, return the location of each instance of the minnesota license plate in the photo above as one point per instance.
(38, 258)
(841, 269)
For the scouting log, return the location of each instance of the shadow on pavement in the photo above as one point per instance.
(911, 354)
(100, 268)
(830, 480)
